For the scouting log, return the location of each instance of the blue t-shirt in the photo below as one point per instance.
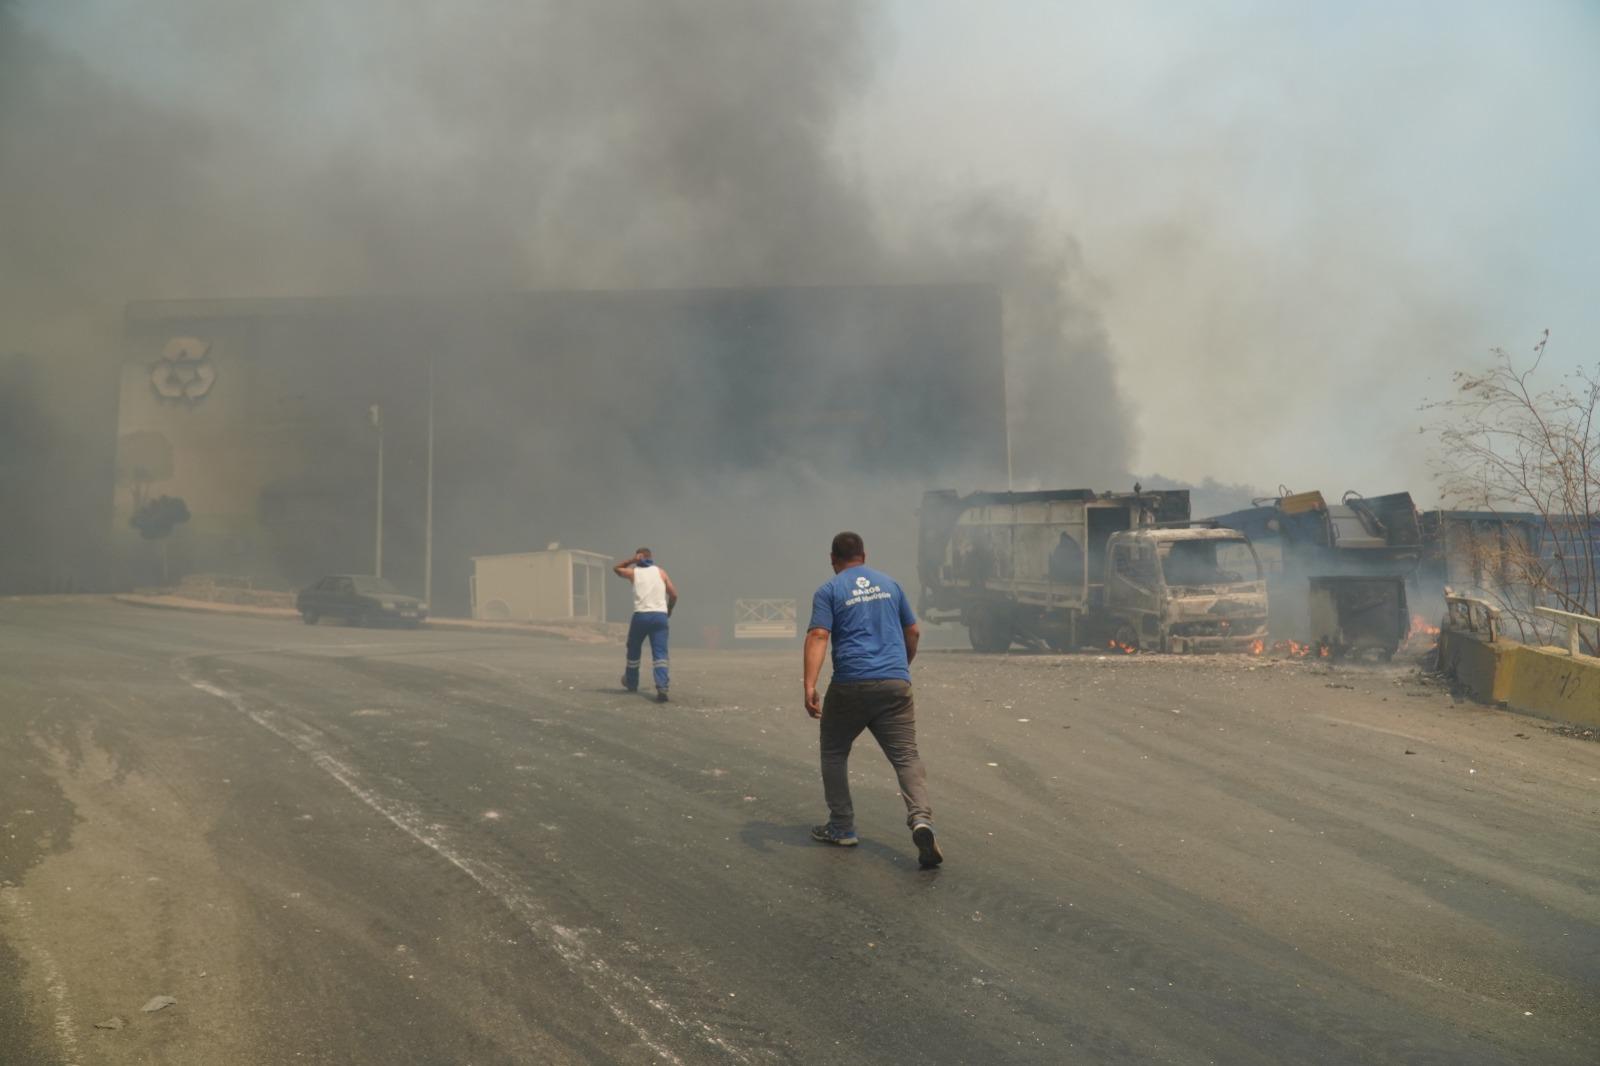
(866, 612)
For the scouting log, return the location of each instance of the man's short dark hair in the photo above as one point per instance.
(847, 546)
(644, 552)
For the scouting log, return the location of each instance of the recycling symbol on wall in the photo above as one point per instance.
(184, 373)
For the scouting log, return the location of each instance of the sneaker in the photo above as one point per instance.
(828, 833)
(928, 853)
(661, 695)
(628, 687)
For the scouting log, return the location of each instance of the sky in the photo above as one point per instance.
(1272, 229)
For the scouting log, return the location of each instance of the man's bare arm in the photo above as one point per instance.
(624, 569)
(816, 648)
(672, 591)
(913, 636)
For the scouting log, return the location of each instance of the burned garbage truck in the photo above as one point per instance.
(1072, 567)
(1337, 572)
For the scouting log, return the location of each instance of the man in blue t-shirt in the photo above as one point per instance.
(874, 635)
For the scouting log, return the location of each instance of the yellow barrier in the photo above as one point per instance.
(1550, 683)
(1544, 682)
(1477, 664)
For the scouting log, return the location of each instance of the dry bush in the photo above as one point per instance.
(1519, 442)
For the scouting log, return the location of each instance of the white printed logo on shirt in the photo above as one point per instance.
(866, 592)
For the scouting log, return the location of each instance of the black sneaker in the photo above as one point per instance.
(828, 833)
(928, 853)
(661, 695)
(628, 687)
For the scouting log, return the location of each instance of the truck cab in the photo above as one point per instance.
(1184, 590)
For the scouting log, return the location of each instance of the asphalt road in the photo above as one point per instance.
(344, 846)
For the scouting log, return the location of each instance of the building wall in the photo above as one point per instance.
(203, 447)
(720, 424)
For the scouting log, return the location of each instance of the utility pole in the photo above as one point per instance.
(427, 536)
(1005, 406)
(376, 414)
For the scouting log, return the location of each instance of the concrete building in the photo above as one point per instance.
(585, 417)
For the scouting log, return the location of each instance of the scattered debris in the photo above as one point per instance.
(158, 1003)
(1410, 752)
(113, 1022)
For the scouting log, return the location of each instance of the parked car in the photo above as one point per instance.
(361, 600)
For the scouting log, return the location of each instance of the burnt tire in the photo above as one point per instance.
(1128, 637)
(310, 617)
(989, 630)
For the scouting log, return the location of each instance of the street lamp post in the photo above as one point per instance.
(427, 536)
(376, 415)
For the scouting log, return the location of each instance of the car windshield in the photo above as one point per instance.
(1210, 562)
(375, 586)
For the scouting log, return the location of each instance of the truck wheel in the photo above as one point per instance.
(1127, 637)
(310, 616)
(989, 630)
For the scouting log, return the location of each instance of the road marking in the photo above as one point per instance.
(606, 982)
(66, 1030)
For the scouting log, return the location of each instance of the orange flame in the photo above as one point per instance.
(1291, 648)
(1117, 645)
(1420, 625)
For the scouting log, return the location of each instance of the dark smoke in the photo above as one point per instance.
(233, 149)
(1070, 426)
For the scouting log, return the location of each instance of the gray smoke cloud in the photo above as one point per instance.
(179, 149)
(291, 149)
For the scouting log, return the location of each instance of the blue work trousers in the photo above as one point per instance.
(652, 624)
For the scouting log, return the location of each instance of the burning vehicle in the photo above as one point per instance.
(1354, 616)
(1337, 572)
(1070, 567)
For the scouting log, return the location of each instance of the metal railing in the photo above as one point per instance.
(765, 618)
(1574, 624)
(1462, 613)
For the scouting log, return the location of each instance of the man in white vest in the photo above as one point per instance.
(654, 596)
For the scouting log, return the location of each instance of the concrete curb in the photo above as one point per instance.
(181, 603)
(470, 625)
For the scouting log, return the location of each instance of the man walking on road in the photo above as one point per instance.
(874, 635)
(654, 596)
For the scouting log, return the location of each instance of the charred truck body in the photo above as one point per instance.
(1069, 567)
(1337, 573)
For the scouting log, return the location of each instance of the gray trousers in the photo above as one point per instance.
(887, 710)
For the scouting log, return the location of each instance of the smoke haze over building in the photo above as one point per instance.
(1195, 229)
(1295, 219)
